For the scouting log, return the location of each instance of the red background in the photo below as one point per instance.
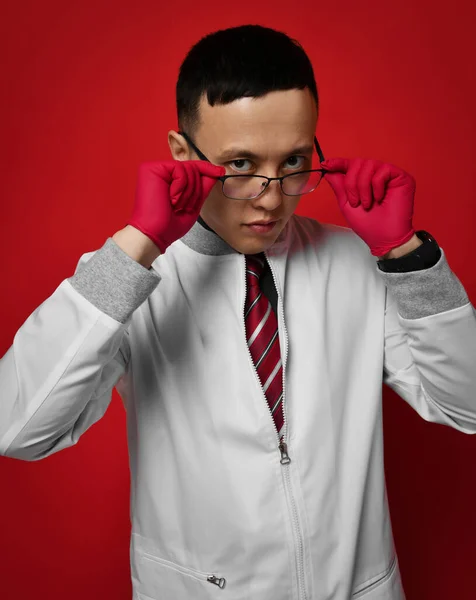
(88, 94)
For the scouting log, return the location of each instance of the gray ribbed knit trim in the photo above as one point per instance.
(114, 282)
(204, 241)
(117, 284)
(426, 292)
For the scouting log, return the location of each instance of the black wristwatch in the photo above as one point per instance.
(423, 257)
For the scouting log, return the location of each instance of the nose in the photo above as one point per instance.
(271, 198)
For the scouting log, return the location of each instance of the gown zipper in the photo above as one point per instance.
(218, 581)
(282, 445)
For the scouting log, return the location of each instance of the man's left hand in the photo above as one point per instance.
(376, 199)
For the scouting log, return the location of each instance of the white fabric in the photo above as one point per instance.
(209, 495)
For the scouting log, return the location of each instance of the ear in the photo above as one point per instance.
(178, 146)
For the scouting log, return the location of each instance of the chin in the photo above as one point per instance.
(254, 246)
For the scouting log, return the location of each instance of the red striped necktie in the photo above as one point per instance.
(263, 339)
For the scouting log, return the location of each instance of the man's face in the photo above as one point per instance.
(270, 127)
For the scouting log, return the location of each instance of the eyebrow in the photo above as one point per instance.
(244, 153)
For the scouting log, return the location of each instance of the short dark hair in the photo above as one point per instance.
(238, 62)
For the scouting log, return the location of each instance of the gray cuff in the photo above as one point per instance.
(114, 282)
(426, 292)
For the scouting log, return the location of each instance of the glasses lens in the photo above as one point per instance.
(243, 188)
(301, 183)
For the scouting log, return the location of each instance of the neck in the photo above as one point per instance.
(202, 222)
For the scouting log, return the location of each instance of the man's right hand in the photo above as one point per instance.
(169, 197)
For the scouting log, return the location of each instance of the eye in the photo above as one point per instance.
(298, 165)
(237, 164)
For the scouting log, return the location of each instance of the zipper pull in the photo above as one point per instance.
(219, 581)
(283, 447)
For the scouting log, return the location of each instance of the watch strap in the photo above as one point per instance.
(423, 257)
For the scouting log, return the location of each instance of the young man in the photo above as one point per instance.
(250, 359)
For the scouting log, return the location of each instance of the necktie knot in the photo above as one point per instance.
(254, 268)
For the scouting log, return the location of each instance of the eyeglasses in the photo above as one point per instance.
(248, 187)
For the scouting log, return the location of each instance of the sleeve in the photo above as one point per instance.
(56, 379)
(430, 345)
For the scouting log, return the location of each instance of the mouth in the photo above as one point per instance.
(263, 222)
(261, 226)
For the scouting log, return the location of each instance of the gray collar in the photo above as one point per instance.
(205, 241)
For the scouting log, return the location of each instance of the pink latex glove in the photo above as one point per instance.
(376, 200)
(169, 197)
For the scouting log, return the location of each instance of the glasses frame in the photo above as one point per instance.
(223, 178)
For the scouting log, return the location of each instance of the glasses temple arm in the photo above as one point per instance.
(195, 149)
(318, 150)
